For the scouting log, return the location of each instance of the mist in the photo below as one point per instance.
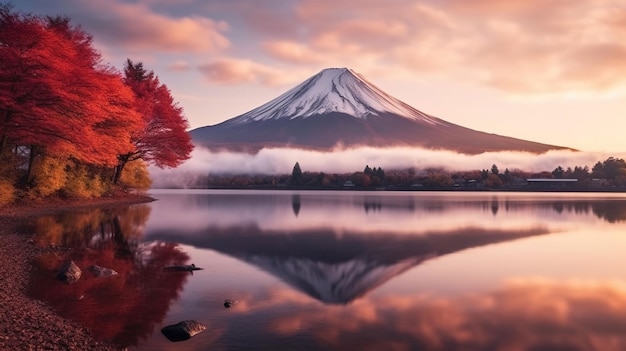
(282, 160)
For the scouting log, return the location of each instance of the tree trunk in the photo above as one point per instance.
(117, 173)
(3, 145)
(31, 160)
(4, 141)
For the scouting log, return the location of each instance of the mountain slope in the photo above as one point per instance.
(338, 90)
(339, 108)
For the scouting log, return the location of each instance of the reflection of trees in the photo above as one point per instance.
(495, 206)
(82, 229)
(609, 210)
(606, 209)
(372, 206)
(120, 309)
(295, 204)
(612, 212)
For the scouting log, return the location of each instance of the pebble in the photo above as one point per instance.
(30, 324)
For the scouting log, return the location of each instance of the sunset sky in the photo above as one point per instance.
(548, 71)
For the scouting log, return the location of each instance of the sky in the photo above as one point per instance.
(551, 71)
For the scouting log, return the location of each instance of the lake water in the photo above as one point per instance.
(347, 270)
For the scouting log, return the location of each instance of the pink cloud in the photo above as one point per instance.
(237, 71)
(519, 46)
(290, 51)
(136, 27)
(179, 66)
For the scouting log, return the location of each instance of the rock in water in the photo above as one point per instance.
(183, 330)
(70, 273)
(228, 303)
(101, 271)
(184, 268)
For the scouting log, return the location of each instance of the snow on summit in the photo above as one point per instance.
(333, 90)
(338, 108)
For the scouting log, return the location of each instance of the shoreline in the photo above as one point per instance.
(616, 190)
(24, 210)
(28, 324)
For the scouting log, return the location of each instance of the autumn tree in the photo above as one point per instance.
(361, 179)
(493, 181)
(162, 140)
(56, 97)
(136, 175)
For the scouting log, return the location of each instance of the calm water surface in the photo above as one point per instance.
(348, 270)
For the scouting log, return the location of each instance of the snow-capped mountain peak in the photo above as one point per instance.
(333, 90)
(338, 108)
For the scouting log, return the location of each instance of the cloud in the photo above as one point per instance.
(179, 66)
(377, 33)
(137, 27)
(514, 46)
(293, 52)
(281, 161)
(238, 71)
(520, 47)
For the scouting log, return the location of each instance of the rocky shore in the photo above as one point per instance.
(27, 324)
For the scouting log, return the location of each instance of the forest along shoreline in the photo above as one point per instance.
(28, 324)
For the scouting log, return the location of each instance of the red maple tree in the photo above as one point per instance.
(56, 97)
(163, 140)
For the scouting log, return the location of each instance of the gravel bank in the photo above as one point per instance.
(27, 324)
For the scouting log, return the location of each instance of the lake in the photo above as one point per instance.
(344, 270)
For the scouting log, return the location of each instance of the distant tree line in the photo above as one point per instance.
(608, 173)
(71, 125)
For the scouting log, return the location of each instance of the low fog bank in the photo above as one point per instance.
(282, 160)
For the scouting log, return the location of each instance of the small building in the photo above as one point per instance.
(599, 182)
(551, 183)
(348, 184)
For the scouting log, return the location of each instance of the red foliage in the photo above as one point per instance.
(56, 96)
(163, 141)
(121, 309)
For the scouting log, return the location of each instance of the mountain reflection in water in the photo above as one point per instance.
(340, 268)
(339, 265)
(348, 270)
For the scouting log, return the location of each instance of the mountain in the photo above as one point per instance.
(337, 268)
(339, 108)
